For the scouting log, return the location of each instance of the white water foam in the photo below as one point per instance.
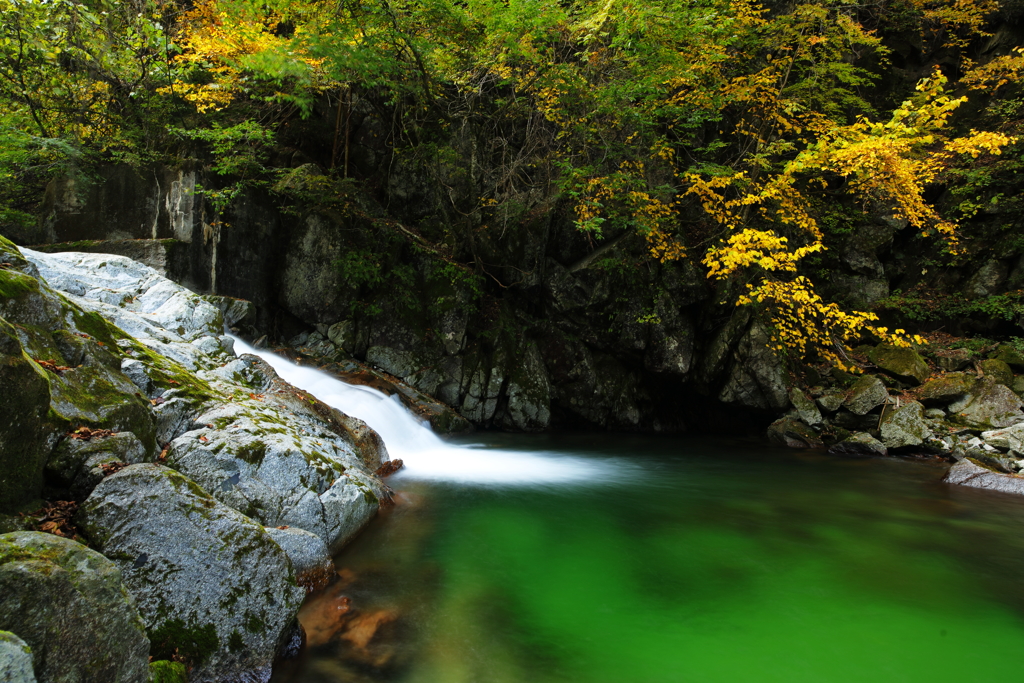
(425, 455)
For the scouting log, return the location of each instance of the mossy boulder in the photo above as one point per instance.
(952, 360)
(944, 390)
(76, 466)
(988, 406)
(831, 400)
(209, 582)
(15, 659)
(903, 363)
(865, 395)
(69, 604)
(793, 434)
(806, 410)
(997, 370)
(1011, 356)
(905, 426)
(27, 433)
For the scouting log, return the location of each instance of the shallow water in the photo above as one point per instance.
(636, 560)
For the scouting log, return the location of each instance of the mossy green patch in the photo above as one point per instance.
(253, 453)
(14, 285)
(192, 642)
(164, 671)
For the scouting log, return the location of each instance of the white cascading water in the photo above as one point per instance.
(425, 455)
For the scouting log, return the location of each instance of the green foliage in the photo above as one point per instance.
(929, 307)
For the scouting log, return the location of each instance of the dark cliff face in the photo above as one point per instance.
(553, 332)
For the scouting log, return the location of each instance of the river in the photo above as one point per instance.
(593, 558)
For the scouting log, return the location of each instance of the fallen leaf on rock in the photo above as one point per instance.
(84, 433)
(55, 518)
(257, 397)
(157, 401)
(52, 366)
(110, 468)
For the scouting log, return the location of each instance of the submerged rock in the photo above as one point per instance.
(969, 473)
(209, 582)
(15, 659)
(905, 426)
(903, 363)
(68, 603)
(860, 444)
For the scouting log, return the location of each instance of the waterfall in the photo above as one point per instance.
(427, 456)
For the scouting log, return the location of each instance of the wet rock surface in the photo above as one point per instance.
(970, 473)
(98, 405)
(229, 629)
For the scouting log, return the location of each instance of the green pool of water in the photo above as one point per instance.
(692, 560)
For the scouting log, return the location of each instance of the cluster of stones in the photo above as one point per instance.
(967, 410)
(210, 492)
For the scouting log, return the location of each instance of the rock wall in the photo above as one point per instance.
(579, 339)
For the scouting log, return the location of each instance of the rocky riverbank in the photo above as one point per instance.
(960, 405)
(201, 495)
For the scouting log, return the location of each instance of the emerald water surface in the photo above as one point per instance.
(678, 560)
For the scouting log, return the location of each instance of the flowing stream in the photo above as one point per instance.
(596, 558)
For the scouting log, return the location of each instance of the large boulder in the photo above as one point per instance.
(901, 362)
(905, 426)
(280, 456)
(28, 435)
(15, 659)
(210, 583)
(805, 408)
(944, 390)
(1011, 356)
(865, 395)
(794, 434)
(988, 406)
(69, 604)
(76, 466)
(1010, 438)
(969, 473)
(997, 370)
